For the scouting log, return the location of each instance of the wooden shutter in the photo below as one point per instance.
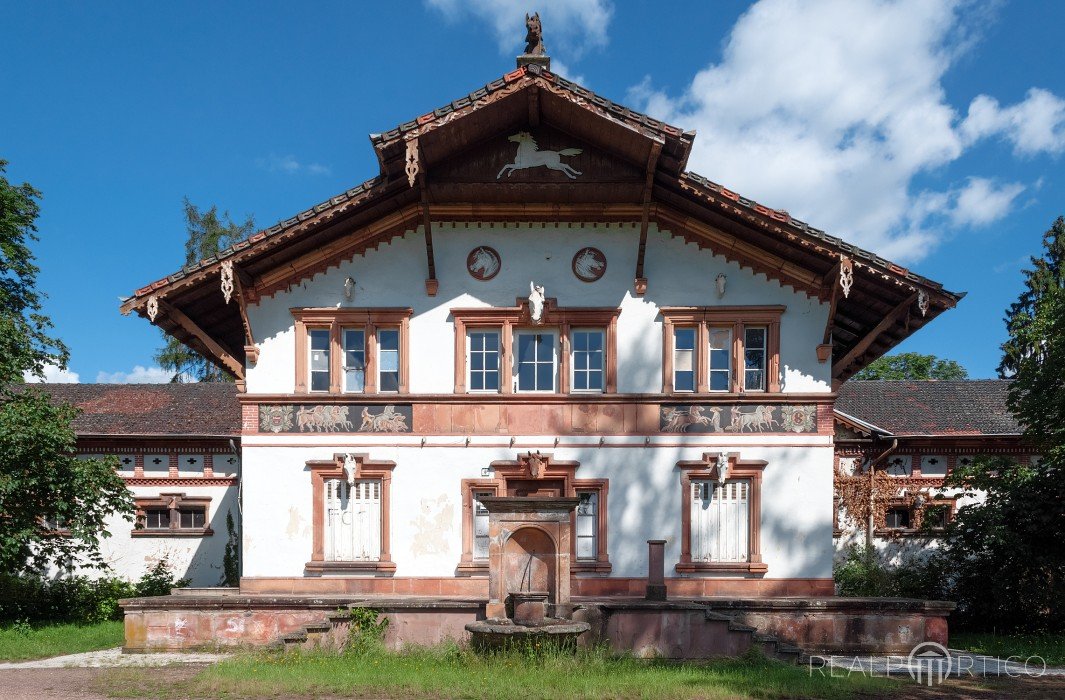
(352, 520)
(719, 520)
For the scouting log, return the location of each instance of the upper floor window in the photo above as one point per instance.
(684, 359)
(721, 349)
(483, 361)
(354, 360)
(535, 361)
(588, 359)
(351, 350)
(575, 350)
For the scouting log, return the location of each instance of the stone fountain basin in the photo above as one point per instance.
(501, 633)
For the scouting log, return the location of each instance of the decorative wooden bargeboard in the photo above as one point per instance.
(763, 418)
(335, 418)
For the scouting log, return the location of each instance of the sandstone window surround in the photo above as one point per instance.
(173, 515)
(362, 469)
(590, 367)
(336, 357)
(900, 519)
(749, 471)
(558, 476)
(695, 359)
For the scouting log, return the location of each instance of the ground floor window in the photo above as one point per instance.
(173, 515)
(350, 503)
(721, 514)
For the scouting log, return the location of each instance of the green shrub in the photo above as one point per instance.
(366, 630)
(863, 572)
(34, 599)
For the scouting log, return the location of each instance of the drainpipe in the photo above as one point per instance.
(872, 471)
(240, 510)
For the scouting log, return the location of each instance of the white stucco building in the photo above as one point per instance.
(533, 297)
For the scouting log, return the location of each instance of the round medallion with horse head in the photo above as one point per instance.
(483, 263)
(589, 264)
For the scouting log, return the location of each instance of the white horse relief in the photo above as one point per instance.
(529, 156)
(588, 265)
(484, 264)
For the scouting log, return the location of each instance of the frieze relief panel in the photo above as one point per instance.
(335, 418)
(766, 418)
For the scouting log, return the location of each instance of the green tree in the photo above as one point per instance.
(40, 477)
(208, 232)
(912, 365)
(1006, 552)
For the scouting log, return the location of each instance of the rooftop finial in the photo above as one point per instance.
(535, 54)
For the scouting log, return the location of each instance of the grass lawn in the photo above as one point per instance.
(24, 642)
(1050, 646)
(452, 672)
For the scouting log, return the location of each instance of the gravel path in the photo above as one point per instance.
(114, 658)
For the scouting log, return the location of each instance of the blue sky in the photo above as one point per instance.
(930, 131)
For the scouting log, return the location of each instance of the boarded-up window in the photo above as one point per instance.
(719, 521)
(352, 520)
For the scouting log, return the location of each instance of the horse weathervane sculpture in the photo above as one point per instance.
(535, 53)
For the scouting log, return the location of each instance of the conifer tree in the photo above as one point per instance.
(208, 233)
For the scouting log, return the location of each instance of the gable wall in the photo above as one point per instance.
(679, 274)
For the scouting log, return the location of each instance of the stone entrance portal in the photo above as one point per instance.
(529, 551)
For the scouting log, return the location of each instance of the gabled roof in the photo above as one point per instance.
(185, 410)
(885, 304)
(931, 408)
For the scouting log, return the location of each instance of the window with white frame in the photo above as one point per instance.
(354, 342)
(720, 359)
(483, 360)
(684, 359)
(588, 526)
(587, 359)
(720, 520)
(480, 526)
(754, 358)
(535, 361)
(388, 360)
(352, 520)
(318, 352)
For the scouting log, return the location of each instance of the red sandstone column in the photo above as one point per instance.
(656, 565)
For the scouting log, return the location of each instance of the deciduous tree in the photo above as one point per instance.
(40, 477)
(912, 365)
(1007, 551)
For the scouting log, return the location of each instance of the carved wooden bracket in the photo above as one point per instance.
(645, 216)
(189, 326)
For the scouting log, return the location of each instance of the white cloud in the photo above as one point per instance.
(831, 108)
(139, 375)
(571, 24)
(53, 375)
(981, 202)
(1033, 126)
(290, 165)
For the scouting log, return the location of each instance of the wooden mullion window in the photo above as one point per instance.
(173, 515)
(336, 322)
(704, 320)
(561, 324)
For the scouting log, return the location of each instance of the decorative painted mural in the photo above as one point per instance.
(334, 418)
(767, 418)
